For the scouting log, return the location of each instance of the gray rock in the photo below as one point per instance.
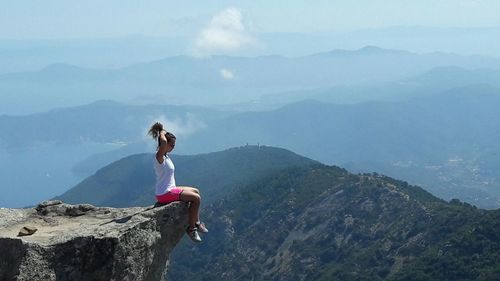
(27, 230)
(83, 242)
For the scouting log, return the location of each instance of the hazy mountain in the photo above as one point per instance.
(108, 53)
(30, 55)
(101, 122)
(443, 137)
(218, 79)
(436, 141)
(419, 39)
(432, 82)
(38, 151)
(444, 142)
(376, 130)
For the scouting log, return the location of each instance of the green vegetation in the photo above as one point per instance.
(130, 181)
(274, 215)
(323, 223)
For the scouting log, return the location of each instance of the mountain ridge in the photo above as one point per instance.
(130, 180)
(206, 80)
(323, 223)
(316, 222)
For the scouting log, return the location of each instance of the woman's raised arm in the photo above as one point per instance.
(162, 149)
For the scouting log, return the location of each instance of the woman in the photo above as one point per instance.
(166, 189)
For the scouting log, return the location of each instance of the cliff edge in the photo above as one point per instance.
(57, 241)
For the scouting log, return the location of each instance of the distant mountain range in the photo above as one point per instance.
(101, 122)
(278, 216)
(440, 142)
(432, 82)
(218, 79)
(445, 142)
(24, 55)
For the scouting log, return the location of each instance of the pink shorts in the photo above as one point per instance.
(174, 194)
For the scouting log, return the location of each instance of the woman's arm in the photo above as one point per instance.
(163, 147)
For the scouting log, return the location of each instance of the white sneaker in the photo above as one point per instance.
(201, 227)
(193, 234)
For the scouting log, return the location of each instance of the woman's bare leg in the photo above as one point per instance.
(189, 195)
(193, 189)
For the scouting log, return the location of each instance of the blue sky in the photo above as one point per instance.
(60, 19)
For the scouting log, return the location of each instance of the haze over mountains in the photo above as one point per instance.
(117, 52)
(218, 79)
(50, 144)
(445, 143)
(425, 118)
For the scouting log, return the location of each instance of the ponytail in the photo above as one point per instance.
(155, 130)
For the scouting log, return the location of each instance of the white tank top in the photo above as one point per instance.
(165, 179)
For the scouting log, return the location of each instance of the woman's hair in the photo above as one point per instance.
(155, 130)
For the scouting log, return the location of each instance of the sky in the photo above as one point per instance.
(117, 33)
(62, 19)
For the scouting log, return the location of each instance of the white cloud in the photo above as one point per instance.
(226, 74)
(226, 32)
(180, 126)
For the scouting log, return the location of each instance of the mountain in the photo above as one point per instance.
(128, 120)
(436, 141)
(47, 145)
(130, 181)
(444, 142)
(24, 55)
(274, 215)
(323, 223)
(366, 131)
(102, 121)
(429, 83)
(217, 79)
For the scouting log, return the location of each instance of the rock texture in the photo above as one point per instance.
(83, 242)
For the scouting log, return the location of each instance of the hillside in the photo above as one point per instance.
(274, 215)
(323, 223)
(440, 142)
(84, 124)
(130, 181)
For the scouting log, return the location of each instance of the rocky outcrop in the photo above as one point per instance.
(83, 242)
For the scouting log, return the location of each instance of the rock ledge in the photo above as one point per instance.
(83, 242)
